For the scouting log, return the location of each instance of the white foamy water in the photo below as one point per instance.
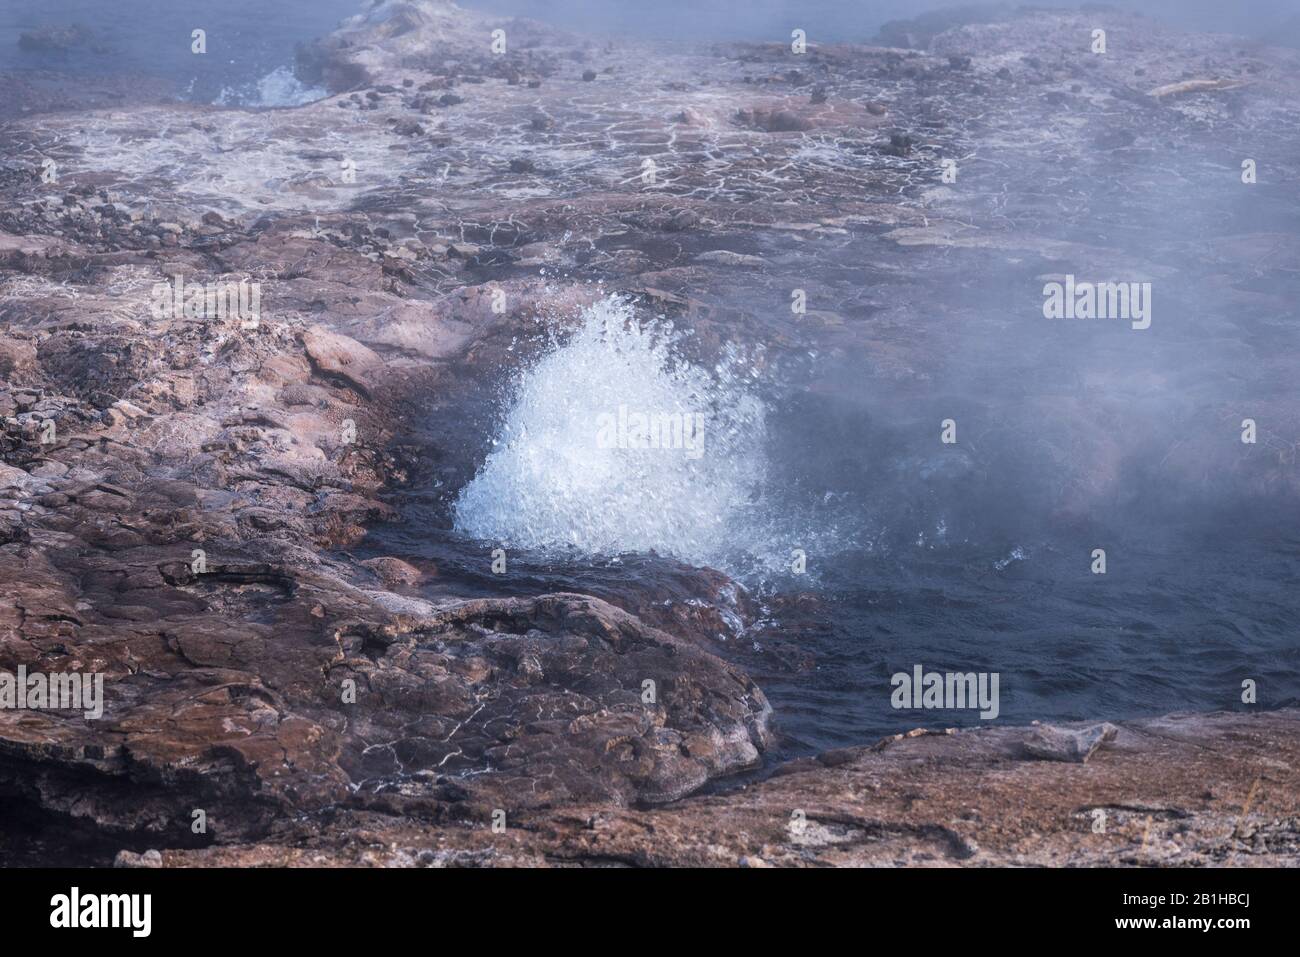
(278, 88)
(570, 468)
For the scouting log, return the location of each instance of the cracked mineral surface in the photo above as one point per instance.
(217, 514)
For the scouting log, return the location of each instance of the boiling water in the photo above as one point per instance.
(614, 443)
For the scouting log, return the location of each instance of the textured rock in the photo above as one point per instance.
(1063, 744)
(339, 357)
(1185, 790)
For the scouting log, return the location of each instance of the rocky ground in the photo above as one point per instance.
(178, 494)
(1185, 790)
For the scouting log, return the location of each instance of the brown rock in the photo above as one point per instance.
(340, 358)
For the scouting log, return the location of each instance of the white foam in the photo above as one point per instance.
(279, 88)
(549, 483)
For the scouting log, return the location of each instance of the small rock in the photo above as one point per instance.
(1063, 744)
(340, 357)
(726, 257)
(394, 571)
(900, 144)
(11, 477)
(150, 859)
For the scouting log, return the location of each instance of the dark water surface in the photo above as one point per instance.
(1163, 630)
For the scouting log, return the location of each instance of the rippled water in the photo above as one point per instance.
(1177, 628)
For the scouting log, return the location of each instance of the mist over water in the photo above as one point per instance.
(841, 21)
(252, 43)
(250, 54)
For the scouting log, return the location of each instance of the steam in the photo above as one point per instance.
(575, 467)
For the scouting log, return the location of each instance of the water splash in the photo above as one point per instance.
(575, 468)
(279, 88)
